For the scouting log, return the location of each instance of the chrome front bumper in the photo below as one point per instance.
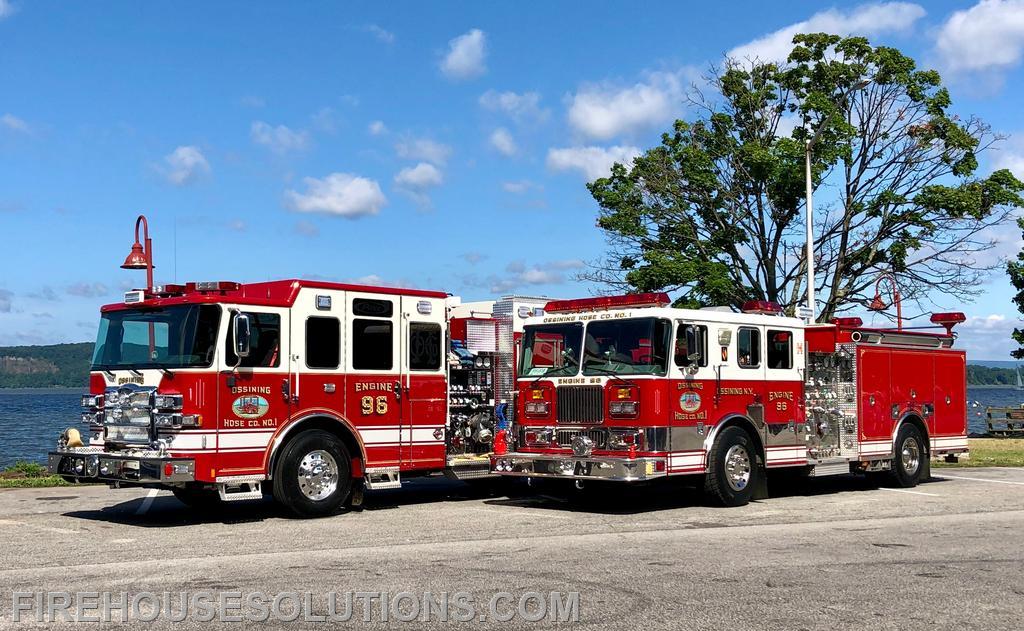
(570, 467)
(97, 465)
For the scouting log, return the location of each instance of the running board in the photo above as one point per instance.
(379, 478)
(836, 466)
(465, 472)
(240, 491)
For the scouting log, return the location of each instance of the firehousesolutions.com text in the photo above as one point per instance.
(209, 606)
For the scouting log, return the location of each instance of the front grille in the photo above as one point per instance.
(580, 404)
(564, 436)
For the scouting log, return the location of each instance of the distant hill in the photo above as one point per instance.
(45, 366)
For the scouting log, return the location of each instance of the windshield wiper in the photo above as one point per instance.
(609, 372)
(551, 371)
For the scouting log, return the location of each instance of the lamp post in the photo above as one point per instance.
(139, 257)
(809, 194)
(894, 292)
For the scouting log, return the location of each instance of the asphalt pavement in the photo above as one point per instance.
(833, 553)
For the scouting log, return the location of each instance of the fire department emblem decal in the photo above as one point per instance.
(250, 406)
(689, 401)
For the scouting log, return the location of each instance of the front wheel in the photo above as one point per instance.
(313, 477)
(732, 468)
(908, 461)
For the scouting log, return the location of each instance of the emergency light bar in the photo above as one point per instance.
(764, 307)
(948, 320)
(216, 285)
(659, 299)
(848, 323)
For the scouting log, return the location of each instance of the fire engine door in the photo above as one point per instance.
(255, 393)
(424, 384)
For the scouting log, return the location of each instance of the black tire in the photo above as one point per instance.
(197, 497)
(908, 461)
(316, 496)
(728, 482)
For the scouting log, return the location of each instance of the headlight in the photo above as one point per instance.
(537, 408)
(624, 439)
(478, 362)
(92, 466)
(623, 408)
(168, 401)
(537, 437)
(168, 420)
(91, 401)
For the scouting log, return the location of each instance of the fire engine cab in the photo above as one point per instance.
(626, 389)
(219, 390)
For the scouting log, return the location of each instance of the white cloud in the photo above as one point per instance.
(988, 336)
(522, 108)
(567, 264)
(465, 57)
(6, 9)
(381, 34)
(503, 142)
(521, 275)
(423, 149)
(280, 139)
(12, 122)
(593, 162)
(377, 128)
(422, 176)
(418, 180)
(871, 19)
(608, 110)
(184, 165)
(988, 37)
(5, 300)
(519, 187)
(339, 194)
(88, 290)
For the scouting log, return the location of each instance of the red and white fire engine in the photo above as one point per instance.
(627, 389)
(219, 390)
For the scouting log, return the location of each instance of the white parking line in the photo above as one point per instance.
(909, 491)
(146, 503)
(963, 477)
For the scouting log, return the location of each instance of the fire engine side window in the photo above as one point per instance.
(681, 351)
(264, 344)
(372, 308)
(780, 349)
(372, 344)
(424, 346)
(323, 342)
(748, 348)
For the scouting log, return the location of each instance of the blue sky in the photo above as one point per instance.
(444, 145)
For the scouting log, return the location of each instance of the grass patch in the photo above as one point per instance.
(991, 452)
(28, 475)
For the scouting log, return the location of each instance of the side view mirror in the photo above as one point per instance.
(694, 344)
(242, 334)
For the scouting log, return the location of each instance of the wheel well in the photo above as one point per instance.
(746, 425)
(912, 419)
(326, 423)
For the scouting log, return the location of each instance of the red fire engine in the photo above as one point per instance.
(218, 390)
(627, 389)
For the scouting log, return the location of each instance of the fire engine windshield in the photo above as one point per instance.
(182, 336)
(551, 349)
(627, 347)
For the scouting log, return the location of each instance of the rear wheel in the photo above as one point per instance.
(908, 461)
(732, 468)
(313, 476)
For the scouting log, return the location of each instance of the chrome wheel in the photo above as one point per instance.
(318, 475)
(910, 455)
(737, 467)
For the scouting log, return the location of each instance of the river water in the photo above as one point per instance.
(31, 420)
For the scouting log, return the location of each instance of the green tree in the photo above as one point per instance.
(715, 211)
(1016, 271)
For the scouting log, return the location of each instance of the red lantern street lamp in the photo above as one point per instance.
(139, 257)
(877, 304)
